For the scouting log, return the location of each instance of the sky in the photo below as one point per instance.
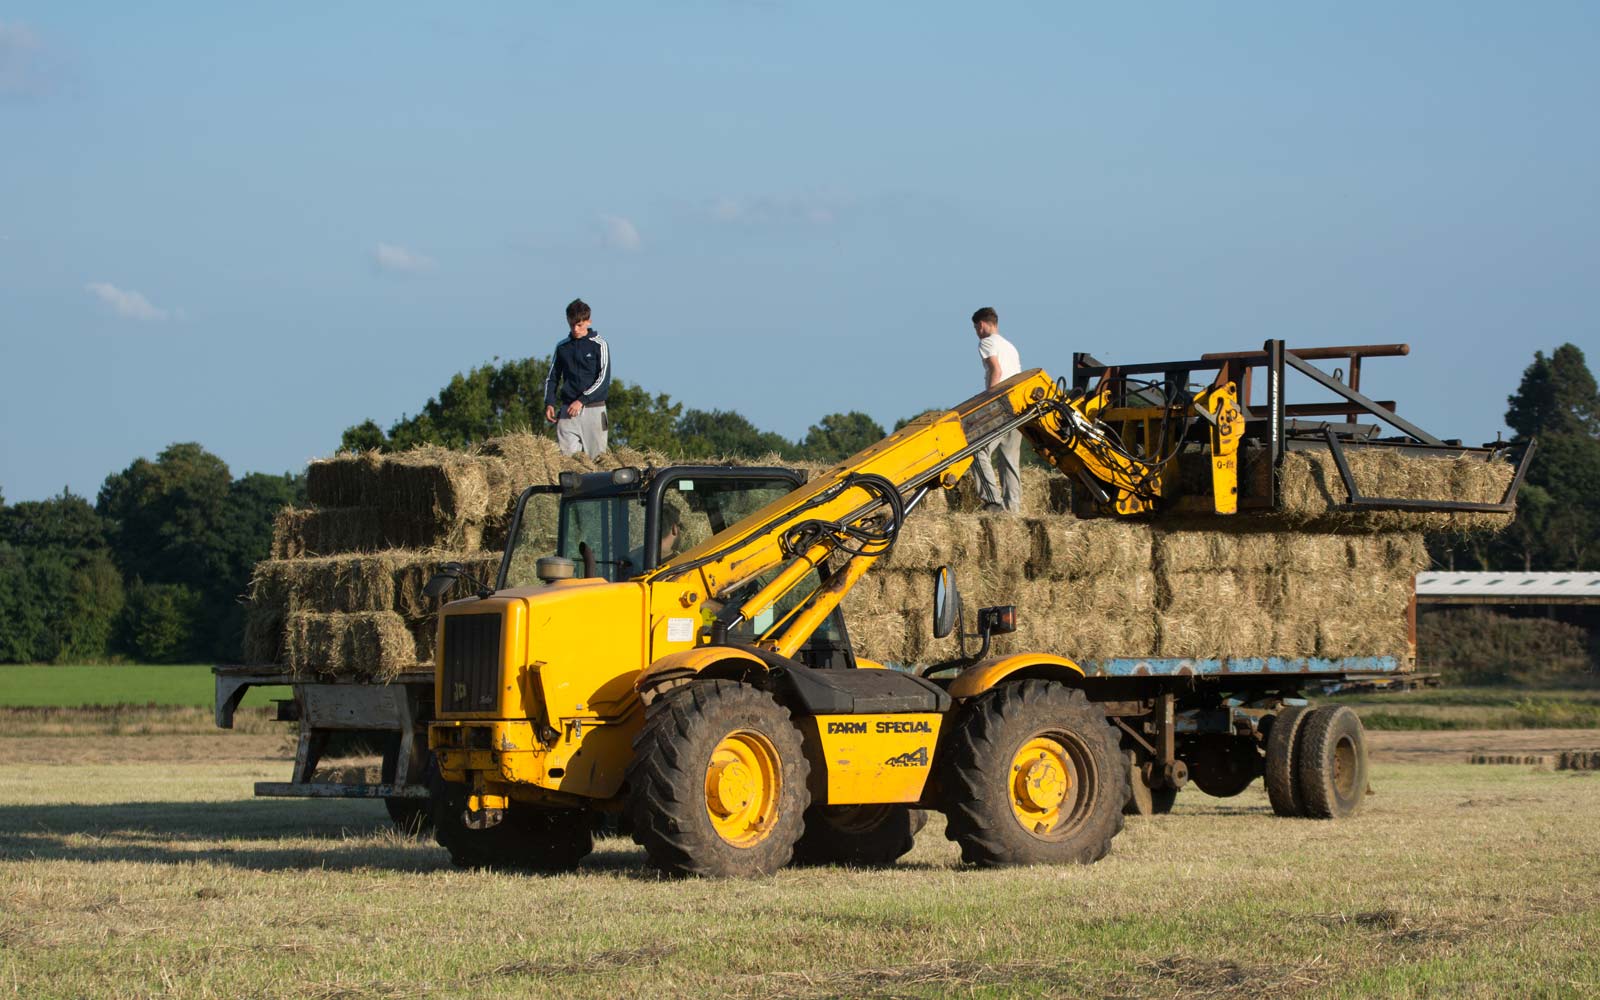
(255, 227)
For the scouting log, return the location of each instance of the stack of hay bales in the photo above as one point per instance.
(1307, 580)
(342, 593)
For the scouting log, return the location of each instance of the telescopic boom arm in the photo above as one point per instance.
(856, 508)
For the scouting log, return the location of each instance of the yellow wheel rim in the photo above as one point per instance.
(743, 780)
(1044, 785)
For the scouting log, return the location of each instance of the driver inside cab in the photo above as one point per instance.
(671, 520)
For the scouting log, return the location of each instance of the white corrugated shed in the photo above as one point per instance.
(1514, 588)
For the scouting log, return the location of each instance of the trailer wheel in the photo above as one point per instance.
(1142, 799)
(866, 836)
(1034, 777)
(1331, 763)
(1281, 778)
(1224, 766)
(527, 839)
(717, 785)
(410, 816)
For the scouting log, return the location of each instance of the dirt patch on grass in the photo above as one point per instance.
(938, 978)
(216, 747)
(1454, 747)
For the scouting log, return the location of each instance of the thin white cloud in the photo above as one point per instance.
(391, 257)
(22, 62)
(620, 233)
(126, 303)
(765, 210)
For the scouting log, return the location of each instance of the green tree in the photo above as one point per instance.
(60, 592)
(724, 433)
(1557, 403)
(162, 622)
(840, 435)
(183, 521)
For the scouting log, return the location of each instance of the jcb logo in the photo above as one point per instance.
(459, 692)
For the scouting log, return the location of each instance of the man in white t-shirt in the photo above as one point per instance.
(1000, 362)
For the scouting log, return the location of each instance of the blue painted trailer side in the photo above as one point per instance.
(1238, 666)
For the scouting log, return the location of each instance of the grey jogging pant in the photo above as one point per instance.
(1007, 454)
(587, 432)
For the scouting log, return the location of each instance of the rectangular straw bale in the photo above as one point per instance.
(1312, 489)
(349, 479)
(301, 533)
(263, 636)
(1007, 543)
(1195, 551)
(1354, 614)
(374, 645)
(527, 459)
(928, 541)
(1067, 548)
(1212, 615)
(434, 482)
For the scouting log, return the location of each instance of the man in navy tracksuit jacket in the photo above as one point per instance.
(575, 391)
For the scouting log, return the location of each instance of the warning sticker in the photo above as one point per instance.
(680, 629)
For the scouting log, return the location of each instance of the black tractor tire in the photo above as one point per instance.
(1142, 799)
(1331, 763)
(982, 778)
(410, 816)
(686, 732)
(528, 839)
(1283, 783)
(864, 836)
(1224, 766)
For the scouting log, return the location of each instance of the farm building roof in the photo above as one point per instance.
(1508, 588)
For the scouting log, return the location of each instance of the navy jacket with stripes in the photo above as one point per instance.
(579, 369)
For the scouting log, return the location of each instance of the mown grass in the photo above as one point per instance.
(118, 880)
(1477, 708)
(47, 685)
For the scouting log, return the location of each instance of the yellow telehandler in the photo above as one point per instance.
(708, 699)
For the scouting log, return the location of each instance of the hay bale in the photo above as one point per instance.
(373, 646)
(301, 533)
(435, 483)
(1067, 548)
(928, 541)
(1312, 490)
(349, 479)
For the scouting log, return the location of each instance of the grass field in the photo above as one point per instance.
(1478, 708)
(140, 866)
(120, 684)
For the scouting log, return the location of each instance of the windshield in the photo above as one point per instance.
(613, 527)
(693, 509)
(535, 538)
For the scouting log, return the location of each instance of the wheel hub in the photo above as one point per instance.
(742, 786)
(1042, 784)
(729, 787)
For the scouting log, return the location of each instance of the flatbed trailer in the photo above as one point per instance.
(393, 714)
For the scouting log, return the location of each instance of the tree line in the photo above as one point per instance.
(155, 569)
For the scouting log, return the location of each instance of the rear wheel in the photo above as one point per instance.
(1283, 788)
(527, 839)
(1224, 766)
(1144, 800)
(865, 835)
(1331, 763)
(1034, 777)
(717, 785)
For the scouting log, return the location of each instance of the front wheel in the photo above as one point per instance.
(1034, 777)
(717, 785)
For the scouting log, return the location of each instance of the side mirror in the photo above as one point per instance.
(443, 580)
(946, 602)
